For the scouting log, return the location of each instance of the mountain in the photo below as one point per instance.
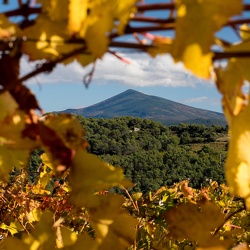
(136, 104)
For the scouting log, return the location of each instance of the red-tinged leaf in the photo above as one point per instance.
(61, 155)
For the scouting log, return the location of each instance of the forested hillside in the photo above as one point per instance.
(154, 155)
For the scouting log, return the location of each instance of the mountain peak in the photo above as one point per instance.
(136, 104)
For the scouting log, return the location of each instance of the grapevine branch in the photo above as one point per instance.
(24, 9)
(131, 199)
(227, 218)
(159, 24)
(45, 67)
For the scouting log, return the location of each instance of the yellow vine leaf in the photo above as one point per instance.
(83, 240)
(244, 32)
(123, 11)
(77, 14)
(11, 134)
(242, 64)
(8, 105)
(114, 227)
(10, 158)
(229, 83)
(34, 215)
(238, 160)
(161, 45)
(237, 110)
(88, 174)
(56, 10)
(40, 187)
(43, 235)
(46, 39)
(7, 29)
(197, 21)
(61, 135)
(46, 160)
(12, 243)
(84, 59)
(97, 27)
(242, 246)
(205, 218)
(14, 147)
(94, 20)
(212, 248)
(68, 129)
(14, 227)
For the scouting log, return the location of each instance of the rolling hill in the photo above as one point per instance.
(136, 104)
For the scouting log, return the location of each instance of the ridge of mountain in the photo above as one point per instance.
(136, 104)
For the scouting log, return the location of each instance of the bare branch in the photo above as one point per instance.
(227, 55)
(45, 67)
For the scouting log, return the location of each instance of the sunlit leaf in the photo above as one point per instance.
(57, 10)
(61, 135)
(46, 160)
(241, 64)
(161, 45)
(85, 59)
(97, 27)
(10, 158)
(195, 222)
(88, 174)
(8, 105)
(40, 187)
(34, 215)
(83, 240)
(77, 14)
(68, 129)
(192, 45)
(244, 32)
(8, 29)
(13, 228)
(229, 83)
(242, 246)
(123, 11)
(46, 40)
(11, 133)
(238, 161)
(114, 227)
(43, 236)
(212, 248)
(12, 243)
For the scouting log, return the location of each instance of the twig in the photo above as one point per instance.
(131, 199)
(88, 77)
(23, 11)
(227, 218)
(152, 19)
(226, 55)
(45, 67)
(119, 57)
(142, 47)
(157, 6)
(131, 30)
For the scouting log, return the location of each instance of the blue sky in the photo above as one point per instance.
(63, 88)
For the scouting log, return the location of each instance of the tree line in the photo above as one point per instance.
(154, 155)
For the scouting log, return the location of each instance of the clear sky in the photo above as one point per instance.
(63, 88)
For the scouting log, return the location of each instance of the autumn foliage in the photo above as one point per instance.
(79, 214)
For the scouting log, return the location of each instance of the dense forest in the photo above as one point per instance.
(154, 155)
